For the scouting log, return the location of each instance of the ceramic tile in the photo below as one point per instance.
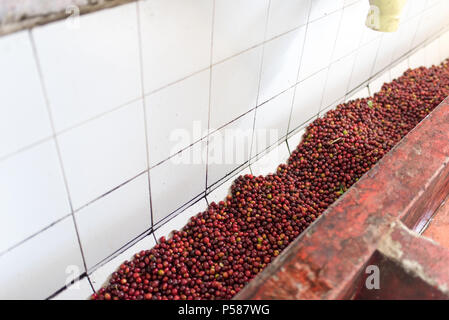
(101, 275)
(338, 79)
(307, 99)
(178, 222)
(359, 94)
(322, 8)
(272, 121)
(351, 30)
(376, 84)
(295, 139)
(229, 148)
(286, 15)
(104, 153)
(363, 64)
(280, 64)
(317, 54)
(117, 218)
(418, 59)
(222, 191)
(238, 25)
(24, 118)
(234, 88)
(32, 193)
(80, 290)
(93, 68)
(399, 69)
(177, 116)
(170, 178)
(42, 265)
(269, 161)
(176, 39)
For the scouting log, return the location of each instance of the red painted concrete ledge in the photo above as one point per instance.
(376, 222)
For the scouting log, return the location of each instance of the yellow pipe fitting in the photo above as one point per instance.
(384, 15)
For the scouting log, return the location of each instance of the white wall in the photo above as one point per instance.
(88, 164)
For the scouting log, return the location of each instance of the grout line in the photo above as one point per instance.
(369, 90)
(58, 150)
(98, 116)
(377, 55)
(34, 234)
(356, 52)
(65, 287)
(179, 211)
(288, 147)
(187, 147)
(227, 177)
(417, 29)
(176, 81)
(27, 147)
(225, 125)
(268, 149)
(396, 49)
(357, 87)
(210, 96)
(90, 283)
(330, 13)
(120, 250)
(142, 83)
(290, 114)
(154, 237)
(361, 45)
(259, 83)
(110, 191)
(333, 105)
(302, 125)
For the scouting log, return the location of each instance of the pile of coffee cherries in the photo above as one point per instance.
(220, 250)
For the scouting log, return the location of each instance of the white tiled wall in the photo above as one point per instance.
(114, 133)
